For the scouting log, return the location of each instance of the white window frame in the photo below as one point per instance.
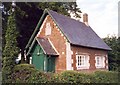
(100, 61)
(85, 62)
(48, 29)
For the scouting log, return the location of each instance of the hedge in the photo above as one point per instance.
(25, 73)
(78, 77)
(22, 73)
(38, 77)
(106, 77)
(71, 77)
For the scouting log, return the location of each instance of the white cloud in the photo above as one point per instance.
(103, 15)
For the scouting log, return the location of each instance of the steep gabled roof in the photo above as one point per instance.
(75, 31)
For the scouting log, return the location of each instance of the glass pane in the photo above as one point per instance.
(78, 60)
(98, 61)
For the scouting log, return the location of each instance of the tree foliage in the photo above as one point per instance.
(10, 51)
(114, 55)
(25, 21)
(28, 15)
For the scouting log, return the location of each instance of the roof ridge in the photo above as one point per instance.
(65, 16)
(76, 31)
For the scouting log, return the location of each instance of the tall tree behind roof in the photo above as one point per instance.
(114, 55)
(29, 13)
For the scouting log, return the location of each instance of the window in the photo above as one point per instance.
(48, 29)
(82, 61)
(100, 61)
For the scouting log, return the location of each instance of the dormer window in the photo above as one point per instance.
(48, 29)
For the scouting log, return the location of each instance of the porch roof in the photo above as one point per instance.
(46, 46)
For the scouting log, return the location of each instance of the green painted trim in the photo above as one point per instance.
(30, 48)
(35, 39)
(32, 38)
(36, 29)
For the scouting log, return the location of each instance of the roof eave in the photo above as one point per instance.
(52, 54)
(109, 49)
(32, 38)
(58, 26)
(41, 46)
(36, 29)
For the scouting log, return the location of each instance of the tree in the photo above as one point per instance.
(113, 56)
(28, 19)
(118, 57)
(11, 50)
(4, 21)
(24, 20)
(28, 15)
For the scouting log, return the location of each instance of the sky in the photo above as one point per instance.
(102, 15)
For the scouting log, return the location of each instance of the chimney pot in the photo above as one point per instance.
(85, 18)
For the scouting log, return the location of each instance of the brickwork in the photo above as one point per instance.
(58, 40)
(92, 53)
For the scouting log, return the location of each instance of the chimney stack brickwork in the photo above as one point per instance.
(85, 18)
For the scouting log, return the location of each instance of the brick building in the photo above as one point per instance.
(60, 43)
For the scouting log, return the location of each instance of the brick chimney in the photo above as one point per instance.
(85, 19)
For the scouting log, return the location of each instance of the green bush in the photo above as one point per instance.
(26, 73)
(106, 77)
(71, 77)
(78, 77)
(22, 73)
(55, 78)
(38, 77)
(74, 77)
(24, 67)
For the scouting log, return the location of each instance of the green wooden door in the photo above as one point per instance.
(51, 64)
(38, 57)
(42, 61)
(38, 62)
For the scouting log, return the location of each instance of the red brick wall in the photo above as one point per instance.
(58, 41)
(91, 53)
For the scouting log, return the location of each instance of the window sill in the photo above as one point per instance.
(99, 67)
(82, 67)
